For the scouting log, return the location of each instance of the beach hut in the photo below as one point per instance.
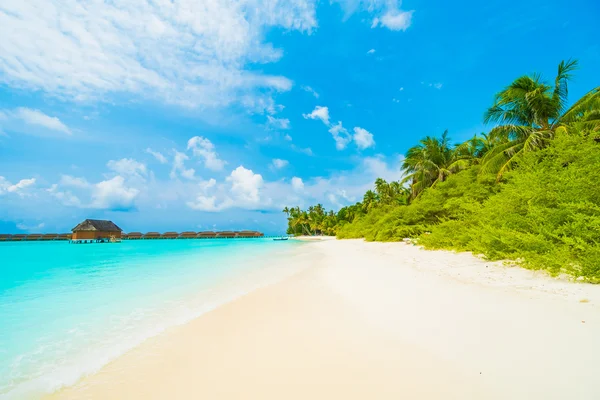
(19, 237)
(152, 235)
(65, 236)
(188, 235)
(50, 236)
(226, 234)
(94, 229)
(5, 237)
(206, 235)
(134, 235)
(170, 235)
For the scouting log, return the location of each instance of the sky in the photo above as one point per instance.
(216, 114)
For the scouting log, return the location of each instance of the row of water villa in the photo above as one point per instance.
(101, 230)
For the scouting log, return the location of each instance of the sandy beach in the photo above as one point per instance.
(375, 321)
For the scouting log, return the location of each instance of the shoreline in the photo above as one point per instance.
(360, 316)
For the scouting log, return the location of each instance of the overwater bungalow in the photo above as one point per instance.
(19, 237)
(152, 235)
(50, 236)
(5, 237)
(226, 234)
(34, 236)
(170, 235)
(96, 229)
(124, 235)
(65, 236)
(134, 235)
(188, 235)
(206, 235)
(249, 234)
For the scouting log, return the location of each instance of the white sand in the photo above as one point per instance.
(376, 321)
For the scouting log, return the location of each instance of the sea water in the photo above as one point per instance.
(68, 309)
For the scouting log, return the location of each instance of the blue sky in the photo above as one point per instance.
(205, 114)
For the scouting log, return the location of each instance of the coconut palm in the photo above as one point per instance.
(428, 163)
(369, 201)
(529, 112)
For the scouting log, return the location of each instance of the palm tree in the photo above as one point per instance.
(428, 163)
(529, 112)
(369, 201)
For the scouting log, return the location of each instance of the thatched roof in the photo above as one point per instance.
(188, 234)
(152, 234)
(135, 234)
(170, 234)
(207, 233)
(97, 225)
(226, 234)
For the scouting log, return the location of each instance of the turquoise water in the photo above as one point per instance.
(66, 310)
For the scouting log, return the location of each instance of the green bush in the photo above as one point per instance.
(546, 215)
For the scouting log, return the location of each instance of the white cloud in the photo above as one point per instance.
(17, 188)
(278, 123)
(203, 202)
(387, 13)
(305, 150)
(401, 89)
(183, 51)
(297, 184)
(241, 189)
(311, 91)
(245, 185)
(71, 181)
(207, 203)
(66, 197)
(320, 113)
(372, 51)
(435, 85)
(288, 138)
(159, 156)
(395, 20)
(128, 167)
(113, 194)
(179, 166)
(24, 227)
(34, 117)
(340, 135)
(363, 138)
(203, 148)
(278, 163)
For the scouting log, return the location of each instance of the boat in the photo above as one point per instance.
(282, 238)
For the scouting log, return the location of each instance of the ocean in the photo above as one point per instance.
(66, 310)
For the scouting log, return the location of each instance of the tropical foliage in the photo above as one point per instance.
(530, 112)
(525, 191)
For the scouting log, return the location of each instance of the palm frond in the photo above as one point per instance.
(561, 90)
(588, 102)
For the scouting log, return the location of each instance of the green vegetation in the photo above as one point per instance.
(527, 191)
